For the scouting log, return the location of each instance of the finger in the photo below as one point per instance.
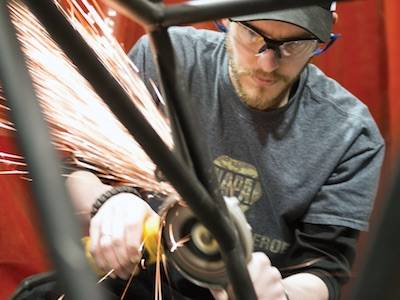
(258, 264)
(104, 244)
(94, 233)
(112, 243)
(109, 244)
(125, 265)
(267, 279)
(122, 218)
(219, 294)
(95, 247)
(260, 258)
(133, 239)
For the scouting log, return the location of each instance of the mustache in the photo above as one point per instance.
(261, 74)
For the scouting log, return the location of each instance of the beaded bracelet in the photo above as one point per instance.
(108, 194)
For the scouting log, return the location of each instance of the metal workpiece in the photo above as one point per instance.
(163, 56)
(153, 15)
(187, 125)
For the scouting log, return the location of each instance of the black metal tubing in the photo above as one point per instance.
(206, 10)
(144, 12)
(188, 124)
(152, 15)
(380, 273)
(166, 65)
(54, 208)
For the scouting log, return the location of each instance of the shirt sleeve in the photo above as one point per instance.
(347, 197)
(326, 251)
(141, 56)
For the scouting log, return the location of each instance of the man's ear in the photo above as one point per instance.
(335, 17)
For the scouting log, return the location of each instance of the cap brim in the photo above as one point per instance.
(316, 20)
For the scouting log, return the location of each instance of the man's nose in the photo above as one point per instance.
(268, 61)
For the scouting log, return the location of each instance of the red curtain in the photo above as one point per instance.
(358, 59)
(392, 35)
(21, 250)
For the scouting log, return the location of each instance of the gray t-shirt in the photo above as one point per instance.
(316, 160)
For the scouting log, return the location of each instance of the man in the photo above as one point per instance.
(300, 153)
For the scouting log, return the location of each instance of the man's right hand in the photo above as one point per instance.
(116, 233)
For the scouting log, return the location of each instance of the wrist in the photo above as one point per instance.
(103, 198)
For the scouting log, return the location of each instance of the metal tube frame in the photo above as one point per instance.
(193, 185)
(151, 15)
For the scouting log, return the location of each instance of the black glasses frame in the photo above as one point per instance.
(275, 44)
(271, 44)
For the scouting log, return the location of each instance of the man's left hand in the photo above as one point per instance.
(267, 280)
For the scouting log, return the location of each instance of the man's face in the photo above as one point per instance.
(264, 81)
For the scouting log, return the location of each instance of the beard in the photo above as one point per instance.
(258, 96)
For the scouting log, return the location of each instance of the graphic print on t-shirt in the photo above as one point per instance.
(238, 179)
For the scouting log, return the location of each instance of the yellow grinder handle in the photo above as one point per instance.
(150, 233)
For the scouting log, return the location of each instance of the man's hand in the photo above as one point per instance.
(116, 233)
(267, 280)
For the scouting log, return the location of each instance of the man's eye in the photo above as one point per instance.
(296, 46)
(292, 45)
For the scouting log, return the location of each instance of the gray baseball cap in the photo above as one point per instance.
(316, 19)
